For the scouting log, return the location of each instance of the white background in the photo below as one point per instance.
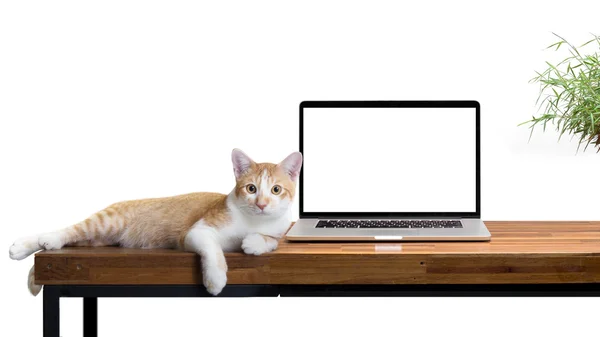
(115, 100)
(391, 165)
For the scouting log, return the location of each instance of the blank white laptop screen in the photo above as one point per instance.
(389, 159)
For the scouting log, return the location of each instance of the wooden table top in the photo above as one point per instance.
(519, 252)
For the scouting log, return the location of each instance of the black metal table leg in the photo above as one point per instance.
(90, 294)
(90, 317)
(51, 311)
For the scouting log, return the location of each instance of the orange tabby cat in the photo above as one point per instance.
(251, 218)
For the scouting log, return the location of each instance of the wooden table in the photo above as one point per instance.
(522, 259)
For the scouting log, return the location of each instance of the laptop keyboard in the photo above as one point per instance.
(389, 224)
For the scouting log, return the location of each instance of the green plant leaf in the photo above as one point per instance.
(569, 93)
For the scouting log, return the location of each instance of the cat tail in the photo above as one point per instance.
(34, 289)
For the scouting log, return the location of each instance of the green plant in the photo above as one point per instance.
(570, 94)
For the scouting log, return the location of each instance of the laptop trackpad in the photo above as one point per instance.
(394, 236)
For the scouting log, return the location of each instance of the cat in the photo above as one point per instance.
(251, 218)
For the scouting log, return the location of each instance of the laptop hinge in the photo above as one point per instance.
(383, 217)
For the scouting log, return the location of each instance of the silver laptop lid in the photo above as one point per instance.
(400, 159)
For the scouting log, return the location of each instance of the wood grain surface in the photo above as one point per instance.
(519, 252)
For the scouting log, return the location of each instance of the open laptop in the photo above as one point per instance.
(390, 171)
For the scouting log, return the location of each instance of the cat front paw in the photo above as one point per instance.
(256, 244)
(50, 241)
(214, 279)
(24, 247)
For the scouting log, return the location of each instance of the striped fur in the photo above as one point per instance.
(250, 218)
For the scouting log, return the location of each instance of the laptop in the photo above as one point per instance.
(390, 171)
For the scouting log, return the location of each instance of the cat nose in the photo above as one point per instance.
(261, 206)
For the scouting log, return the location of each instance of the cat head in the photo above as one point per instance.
(265, 189)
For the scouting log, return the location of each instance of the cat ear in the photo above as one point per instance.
(292, 164)
(241, 162)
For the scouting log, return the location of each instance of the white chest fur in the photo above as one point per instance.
(242, 225)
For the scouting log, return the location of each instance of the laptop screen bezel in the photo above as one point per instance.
(395, 104)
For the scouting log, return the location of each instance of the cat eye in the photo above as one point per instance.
(251, 188)
(276, 189)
